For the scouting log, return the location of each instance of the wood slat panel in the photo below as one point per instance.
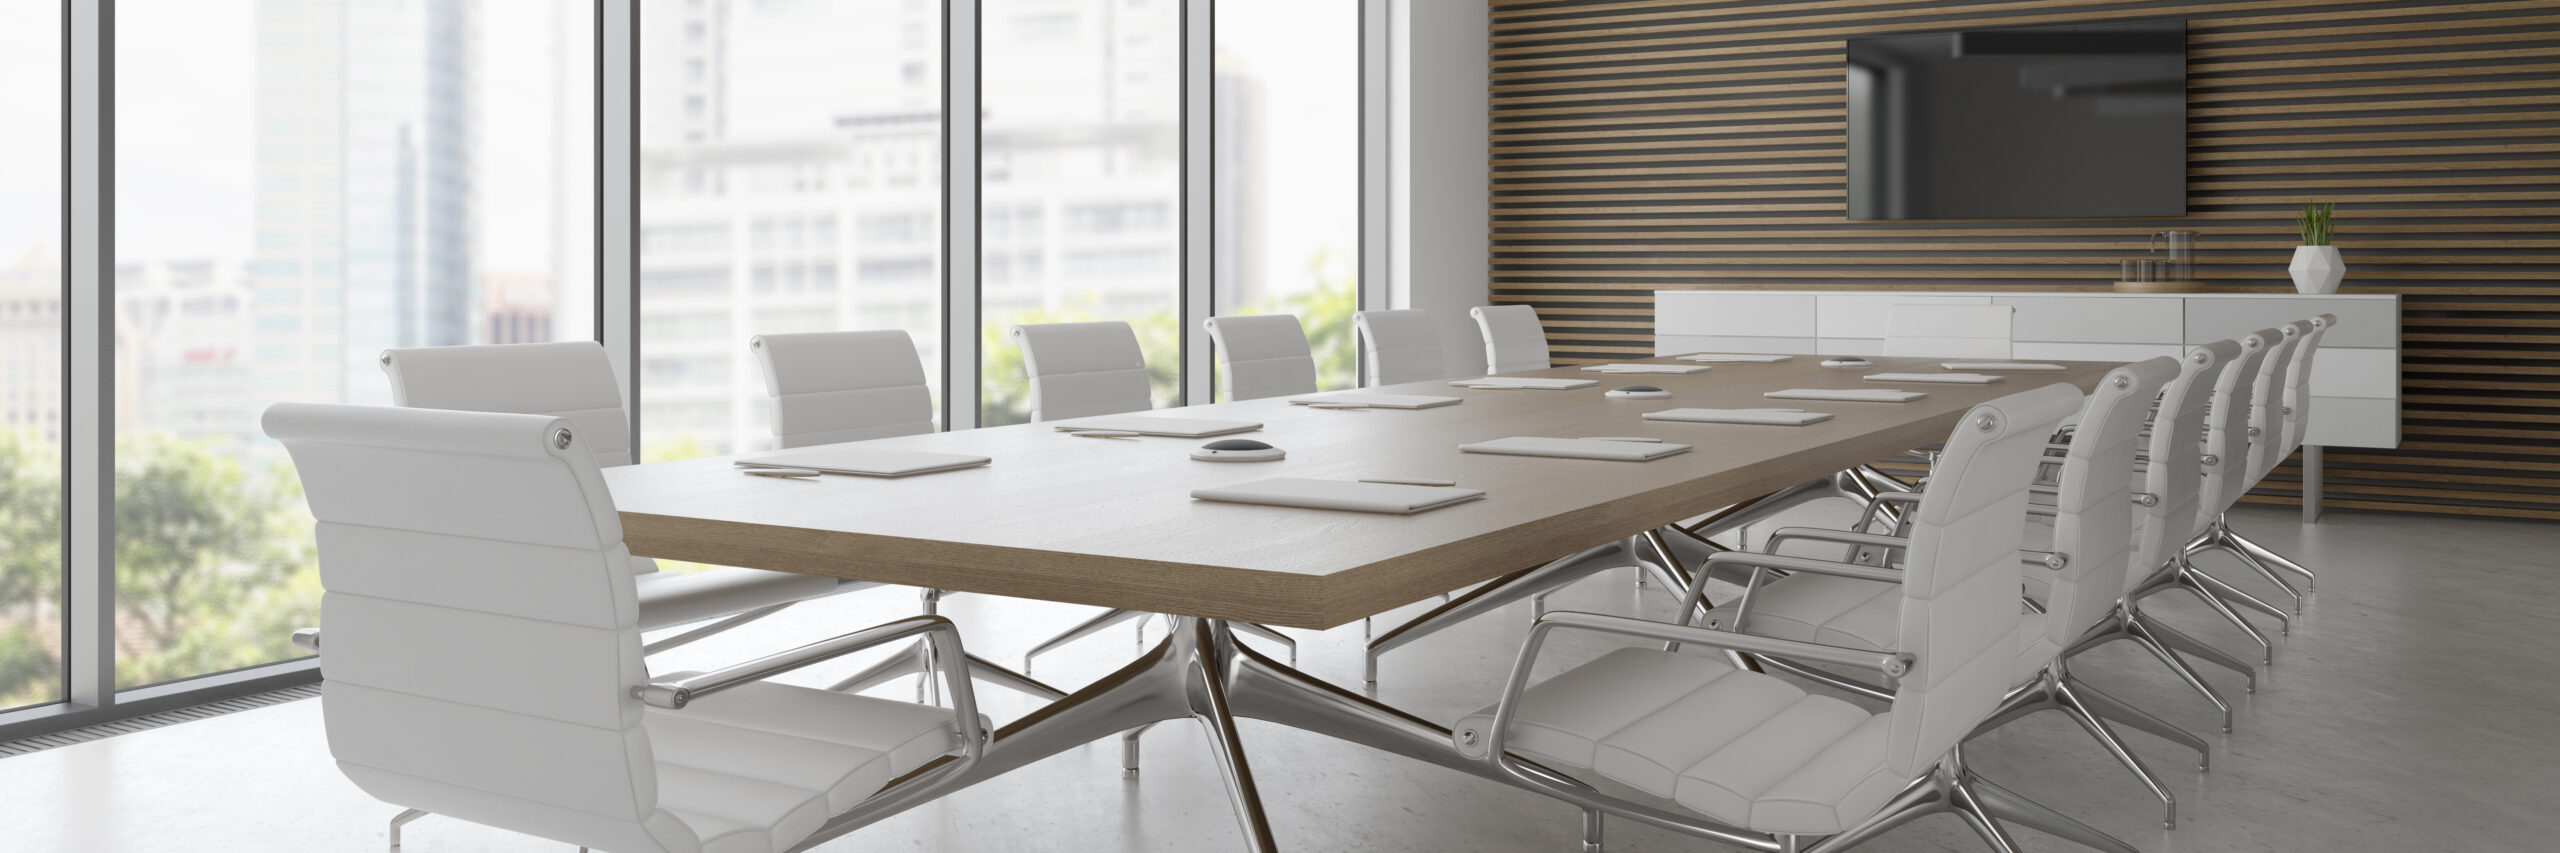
(1659, 145)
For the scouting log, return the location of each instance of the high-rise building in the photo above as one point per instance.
(366, 192)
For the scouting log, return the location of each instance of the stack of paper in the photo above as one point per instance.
(865, 461)
(1852, 395)
(1743, 358)
(1394, 499)
(1941, 378)
(1647, 368)
(1375, 400)
(1577, 448)
(1154, 425)
(1521, 382)
(1775, 417)
(1999, 365)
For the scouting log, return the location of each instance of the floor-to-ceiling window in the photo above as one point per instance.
(31, 368)
(301, 184)
(1287, 141)
(790, 181)
(1081, 163)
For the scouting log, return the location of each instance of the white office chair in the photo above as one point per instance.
(1513, 340)
(2078, 571)
(1083, 370)
(2226, 478)
(574, 380)
(2169, 508)
(830, 387)
(2276, 426)
(1949, 331)
(1264, 355)
(1758, 760)
(483, 659)
(1400, 346)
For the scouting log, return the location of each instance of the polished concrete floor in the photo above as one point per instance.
(2410, 710)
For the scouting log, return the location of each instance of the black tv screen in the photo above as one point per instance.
(2042, 122)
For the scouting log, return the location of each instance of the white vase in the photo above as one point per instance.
(2317, 269)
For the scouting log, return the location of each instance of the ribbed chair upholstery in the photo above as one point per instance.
(1264, 355)
(1756, 752)
(831, 387)
(1400, 346)
(1930, 330)
(2297, 383)
(2227, 476)
(1083, 370)
(2272, 435)
(2267, 445)
(573, 380)
(1513, 340)
(483, 646)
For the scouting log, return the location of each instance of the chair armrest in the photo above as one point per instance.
(1893, 665)
(1760, 565)
(1867, 517)
(674, 695)
(1845, 537)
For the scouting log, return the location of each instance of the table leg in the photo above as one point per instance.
(2311, 483)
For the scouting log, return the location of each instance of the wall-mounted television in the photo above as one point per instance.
(2026, 123)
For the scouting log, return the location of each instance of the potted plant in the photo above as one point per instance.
(2316, 267)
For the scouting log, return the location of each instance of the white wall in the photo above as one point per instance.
(1438, 206)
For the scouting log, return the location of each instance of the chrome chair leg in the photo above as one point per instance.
(400, 820)
(932, 600)
(2185, 673)
(2006, 805)
(1107, 619)
(2109, 707)
(1129, 751)
(1969, 806)
(1923, 798)
(2223, 589)
(1268, 634)
(2182, 643)
(1591, 830)
(2070, 705)
(2309, 579)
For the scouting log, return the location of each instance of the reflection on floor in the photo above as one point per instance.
(2409, 711)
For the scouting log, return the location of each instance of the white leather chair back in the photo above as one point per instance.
(1513, 340)
(1949, 331)
(829, 387)
(1961, 578)
(2226, 425)
(571, 379)
(2267, 447)
(2175, 475)
(2093, 520)
(1082, 370)
(2297, 383)
(478, 621)
(1400, 346)
(1265, 355)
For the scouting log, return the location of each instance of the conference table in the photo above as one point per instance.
(1111, 522)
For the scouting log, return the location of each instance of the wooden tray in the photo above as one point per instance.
(2159, 287)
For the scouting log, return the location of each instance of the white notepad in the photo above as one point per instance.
(1774, 417)
(1941, 378)
(1391, 498)
(1577, 448)
(1743, 358)
(1999, 365)
(1647, 368)
(1376, 400)
(1536, 382)
(1851, 395)
(1152, 425)
(866, 461)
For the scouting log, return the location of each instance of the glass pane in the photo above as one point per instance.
(790, 181)
(1287, 142)
(31, 354)
(1082, 157)
(301, 184)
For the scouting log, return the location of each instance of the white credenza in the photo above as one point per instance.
(2355, 381)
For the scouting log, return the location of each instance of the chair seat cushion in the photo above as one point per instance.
(760, 766)
(1740, 747)
(675, 598)
(1826, 609)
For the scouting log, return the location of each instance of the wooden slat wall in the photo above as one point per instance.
(1656, 144)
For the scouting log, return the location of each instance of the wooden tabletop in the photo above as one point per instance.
(1112, 522)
